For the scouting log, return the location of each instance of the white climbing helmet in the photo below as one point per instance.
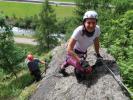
(90, 14)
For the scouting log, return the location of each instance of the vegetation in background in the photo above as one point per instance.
(10, 55)
(66, 26)
(69, 27)
(19, 9)
(11, 87)
(100, 7)
(119, 40)
(46, 27)
(115, 19)
(25, 17)
(122, 6)
(25, 23)
(22, 87)
(26, 9)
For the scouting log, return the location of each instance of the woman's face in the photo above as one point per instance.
(90, 24)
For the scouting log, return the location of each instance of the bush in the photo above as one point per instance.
(119, 41)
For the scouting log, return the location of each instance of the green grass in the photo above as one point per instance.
(19, 9)
(62, 11)
(30, 9)
(15, 88)
(20, 88)
(33, 49)
(29, 48)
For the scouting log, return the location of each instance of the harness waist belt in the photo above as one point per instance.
(79, 52)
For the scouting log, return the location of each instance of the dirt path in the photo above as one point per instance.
(25, 41)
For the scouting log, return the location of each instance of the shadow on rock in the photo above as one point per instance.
(98, 72)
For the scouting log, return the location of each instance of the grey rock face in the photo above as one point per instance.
(98, 86)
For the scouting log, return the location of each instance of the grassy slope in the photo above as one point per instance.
(29, 9)
(16, 89)
(20, 88)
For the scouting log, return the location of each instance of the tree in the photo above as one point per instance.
(46, 27)
(121, 6)
(101, 6)
(119, 41)
(10, 55)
